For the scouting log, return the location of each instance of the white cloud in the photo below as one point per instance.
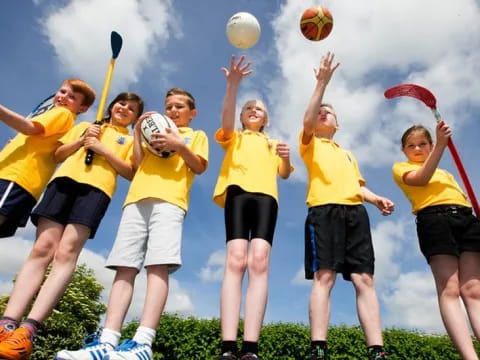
(412, 303)
(80, 35)
(387, 237)
(213, 269)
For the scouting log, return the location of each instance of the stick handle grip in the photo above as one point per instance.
(463, 175)
(91, 153)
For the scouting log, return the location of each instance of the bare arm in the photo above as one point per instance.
(234, 76)
(173, 141)
(122, 167)
(422, 176)
(323, 75)
(386, 206)
(19, 123)
(65, 150)
(138, 153)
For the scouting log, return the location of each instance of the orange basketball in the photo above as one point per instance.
(316, 23)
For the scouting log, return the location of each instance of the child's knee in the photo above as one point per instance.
(471, 290)
(236, 261)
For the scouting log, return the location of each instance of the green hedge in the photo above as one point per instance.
(199, 339)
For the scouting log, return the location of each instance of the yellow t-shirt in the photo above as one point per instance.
(334, 176)
(442, 189)
(250, 162)
(27, 160)
(99, 173)
(168, 179)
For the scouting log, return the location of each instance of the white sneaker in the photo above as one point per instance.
(130, 350)
(93, 350)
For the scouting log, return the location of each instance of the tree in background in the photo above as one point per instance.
(76, 315)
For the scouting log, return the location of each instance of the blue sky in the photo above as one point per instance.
(183, 43)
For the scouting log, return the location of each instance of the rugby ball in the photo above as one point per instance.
(156, 123)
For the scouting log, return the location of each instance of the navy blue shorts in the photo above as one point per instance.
(66, 201)
(249, 215)
(337, 237)
(16, 204)
(447, 230)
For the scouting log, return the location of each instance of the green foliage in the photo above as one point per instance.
(76, 315)
(199, 339)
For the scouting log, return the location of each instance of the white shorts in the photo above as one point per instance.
(150, 233)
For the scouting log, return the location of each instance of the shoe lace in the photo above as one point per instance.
(126, 345)
(249, 356)
(16, 339)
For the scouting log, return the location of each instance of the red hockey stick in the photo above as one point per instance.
(428, 99)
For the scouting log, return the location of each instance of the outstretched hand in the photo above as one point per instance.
(325, 71)
(238, 70)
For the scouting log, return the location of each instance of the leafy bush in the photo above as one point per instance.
(199, 339)
(76, 315)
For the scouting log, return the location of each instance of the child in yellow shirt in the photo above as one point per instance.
(247, 188)
(69, 213)
(448, 232)
(337, 228)
(26, 162)
(150, 232)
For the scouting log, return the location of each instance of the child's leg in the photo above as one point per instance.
(319, 306)
(368, 308)
(120, 297)
(446, 274)
(470, 288)
(257, 291)
(73, 239)
(30, 277)
(231, 294)
(156, 296)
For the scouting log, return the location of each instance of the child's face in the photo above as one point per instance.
(254, 115)
(326, 119)
(177, 109)
(124, 112)
(73, 101)
(417, 147)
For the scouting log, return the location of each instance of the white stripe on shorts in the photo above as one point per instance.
(6, 193)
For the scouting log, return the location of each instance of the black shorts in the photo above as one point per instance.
(249, 215)
(337, 237)
(447, 230)
(66, 201)
(16, 203)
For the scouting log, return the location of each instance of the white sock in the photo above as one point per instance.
(110, 336)
(144, 335)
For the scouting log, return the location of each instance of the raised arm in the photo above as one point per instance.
(323, 75)
(422, 176)
(234, 75)
(19, 123)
